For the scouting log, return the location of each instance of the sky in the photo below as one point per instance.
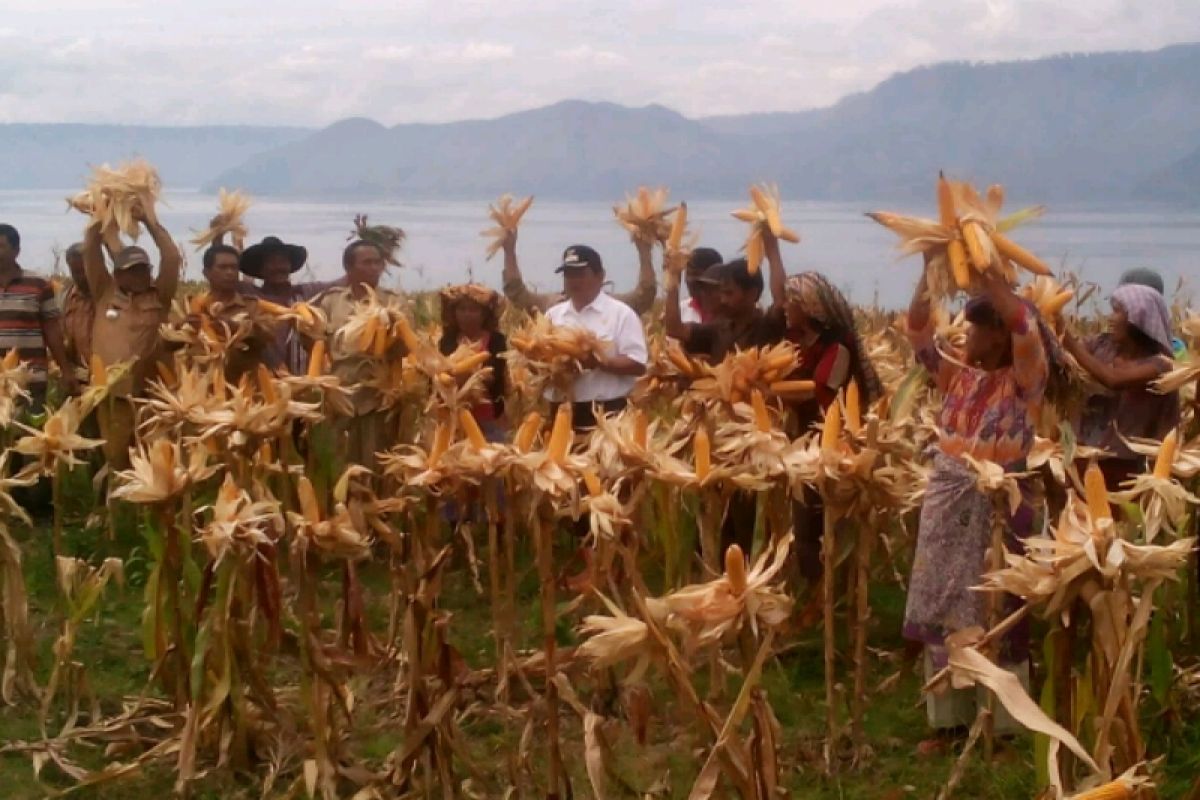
(312, 62)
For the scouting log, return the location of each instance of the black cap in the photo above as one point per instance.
(578, 256)
(1143, 276)
(701, 259)
(736, 271)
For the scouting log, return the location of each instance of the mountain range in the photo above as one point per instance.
(1107, 127)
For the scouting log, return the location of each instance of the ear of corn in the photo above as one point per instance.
(1019, 255)
(975, 249)
(641, 428)
(308, 500)
(793, 387)
(441, 442)
(366, 337)
(677, 228)
(702, 452)
(853, 408)
(165, 373)
(831, 432)
(957, 255)
(560, 434)
(265, 456)
(471, 428)
(592, 482)
(735, 569)
(11, 359)
(96, 365)
(266, 384)
(1096, 492)
(471, 363)
(380, 345)
(528, 430)
(404, 331)
(316, 359)
(272, 309)
(762, 418)
(1116, 790)
(945, 195)
(1166, 456)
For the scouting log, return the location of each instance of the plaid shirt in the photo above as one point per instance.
(26, 302)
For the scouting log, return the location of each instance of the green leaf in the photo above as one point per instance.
(1158, 658)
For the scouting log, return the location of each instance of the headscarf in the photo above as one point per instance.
(824, 304)
(1147, 311)
(488, 298)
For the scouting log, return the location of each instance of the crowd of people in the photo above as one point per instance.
(994, 389)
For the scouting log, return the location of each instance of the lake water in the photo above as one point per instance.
(444, 245)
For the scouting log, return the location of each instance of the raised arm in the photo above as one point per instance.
(1115, 375)
(922, 335)
(673, 324)
(168, 267)
(777, 276)
(98, 276)
(641, 299)
(514, 285)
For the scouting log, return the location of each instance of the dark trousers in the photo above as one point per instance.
(583, 415)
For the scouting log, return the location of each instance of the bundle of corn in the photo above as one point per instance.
(1163, 501)
(14, 377)
(506, 213)
(387, 238)
(458, 380)
(56, 444)
(645, 214)
(231, 207)
(115, 198)
(669, 370)
(742, 372)
(623, 446)
(552, 355)
(969, 235)
(334, 397)
(1050, 296)
(208, 333)
(763, 215)
(253, 411)
(375, 330)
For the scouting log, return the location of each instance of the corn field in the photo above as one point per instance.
(295, 608)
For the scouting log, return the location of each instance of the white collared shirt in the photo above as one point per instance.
(614, 322)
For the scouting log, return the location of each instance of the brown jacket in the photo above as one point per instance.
(78, 318)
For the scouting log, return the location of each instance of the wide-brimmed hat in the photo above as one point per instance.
(254, 256)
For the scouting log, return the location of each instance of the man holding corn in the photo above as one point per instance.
(363, 434)
(131, 305)
(250, 333)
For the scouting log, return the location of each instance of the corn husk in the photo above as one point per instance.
(231, 208)
(111, 195)
(507, 213)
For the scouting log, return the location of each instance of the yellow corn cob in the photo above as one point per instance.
(441, 442)
(380, 345)
(273, 309)
(677, 227)
(754, 253)
(305, 313)
(945, 195)
(677, 357)
(560, 434)
(1116, 790)
(735, 569)
(403, 330)
(759, 199)
(832, 429)
(762, 417)
(166, 451)
(702, 452)
(471, 363)
(777, 361)
(265, 456)
(210, 332)
(995, 196)
(308, 500)
(210, 444)
(593, 483)
(1055, 304)
(956, 254)
(971, 236)
(1019, 255)
(471, 429)
(316, 359)
(11, 359)
(853, 407)
(197, 304)
(1096, 492)
(1166, 456)
(366, 337)
(96, 366)
(528, 430)
(266, 384)
(793, 387)
(641, 428)
(166, 374)
(219, 383)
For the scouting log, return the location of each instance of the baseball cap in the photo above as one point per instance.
(701, 259)
(578, 256)
(736, 271)
(130, 257)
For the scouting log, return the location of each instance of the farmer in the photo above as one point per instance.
(607, 380)
(131, 304)
(1135, 352)
(993, 392)
(78, 311)
(273, 262)
(641, 299)
(471, 318)
(821, 325)
(362, 434)
(701, 303)
(236, 315)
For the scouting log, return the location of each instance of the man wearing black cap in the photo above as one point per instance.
(701, 302)
(608, 381)
(131, 305)
(78, 311)
(641, 299)
(273, 261)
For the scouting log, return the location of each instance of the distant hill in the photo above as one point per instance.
(58, 156)
(1101, 127)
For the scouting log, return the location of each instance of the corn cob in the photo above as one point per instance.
(641, 428)
(197, 304)
(266, 384)
(11, 359)
(1166, 456)
(528, 430)
(702, 452)
(1019, 255)
(316, 359)
(853, 407)
(305, 313)
(380, 345)
(762, 418)
(971, 236)
(166, 374)
(441, 442)
(593, 483)
(403, 330)
(945, 195)
(273, 309)
(470, 363)
(735, 569)
(560, 435)
(219, 390)
(1055, 305)
(308, 500)
(471, 428)
(956, 254)
(1096, 492)
(265, 456)
(832, 430)
(366, 337)
(677, 357)
(754, 253)
(677, 227)
(1116, 790)
(793, 387)
(96, 367)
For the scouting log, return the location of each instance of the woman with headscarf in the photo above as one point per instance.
(821, 325)
(992, 396)
(471, 317)
(1126, 360)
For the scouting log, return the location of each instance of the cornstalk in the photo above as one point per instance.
(994, 604)
(543, 537)
(56, 499)
(172, 573)
(829, 563)
(862, 615)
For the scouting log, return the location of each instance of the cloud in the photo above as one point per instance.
(586, 54)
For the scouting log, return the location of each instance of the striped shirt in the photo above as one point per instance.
(26, 302)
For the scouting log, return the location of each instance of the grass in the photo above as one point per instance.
(109, 646)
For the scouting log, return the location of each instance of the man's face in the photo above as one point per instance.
(223, 275)
(135, 279)
(582, 285)
(735, 301)
(78, 275)
(8, 253)
(985, 343)
(277, 269)
(367, 266)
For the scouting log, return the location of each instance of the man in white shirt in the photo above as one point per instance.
(605, 383)
(700, 304)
